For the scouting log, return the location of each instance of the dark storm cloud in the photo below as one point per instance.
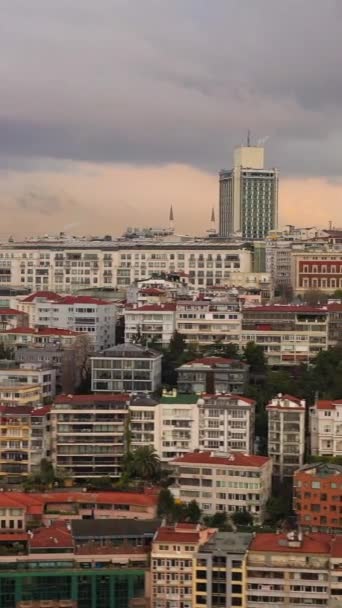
(152, 81)
(36, 200)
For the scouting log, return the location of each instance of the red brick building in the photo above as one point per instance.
(317, 270)
(317, 497)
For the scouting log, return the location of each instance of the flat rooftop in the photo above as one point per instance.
(228, 542)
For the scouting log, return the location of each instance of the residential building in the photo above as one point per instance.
(219, 570)
(91, 316)
(88, 434)
(226, 423)
(317, 269)
(63, 572)
(248, 196)
(40, 337)
(15, 442)
(150, 323)
(40, 436)
(224, 482)
(21, 394)
(127, 368)
(326, 428)
(178, 430)
(10, 318)
(289, 569)
(317, 497)
(206, 322)
(172, 564)
(289, 334)
(63, 266)
(212, 375)
(286, 434)
(67, 363)
(56, 505)
(334, 322)
(29, 374)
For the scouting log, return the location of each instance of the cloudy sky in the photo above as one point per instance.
(112, 110)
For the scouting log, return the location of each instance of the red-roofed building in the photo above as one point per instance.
(83, 314)
(325, 424)
(286, 332)
(320, 270)
(281, 568)
(212, 375)
(224, 482)
(286, 434)
(174, 550)
(55, 538)
(317, 497)
(152, 321)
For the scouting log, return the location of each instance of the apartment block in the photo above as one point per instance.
(173, 563)
(325, 424)
(212, 375)
(317, 497)
(64, 267)
(151, 323)
(29, 374)
(126, 368)
(39, 337)
(84, 314)
(21, 394)
(224, 483)
(11, 318)
(289, 335)
(206, 322)
(88, 434)
(219, 571)
(286, 434)
(67, 363)
(290, 570)
(226, 423)
(178, 426)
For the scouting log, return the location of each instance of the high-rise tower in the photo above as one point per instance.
(248, 195)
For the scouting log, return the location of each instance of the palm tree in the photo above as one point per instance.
(145, 463)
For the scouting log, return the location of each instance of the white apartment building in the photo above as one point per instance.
(226, 423)
(224, 482)
(39, 337)
(91, 316)
(206, 322)
(65, 266)
(325, 425)
(286, 434)
(126, 368)
(30, 374)
(169, 425)
(154, 323)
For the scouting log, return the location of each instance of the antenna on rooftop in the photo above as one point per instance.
(248, 138)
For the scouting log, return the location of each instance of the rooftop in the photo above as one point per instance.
(283, 308)
(10, 311)
(114, 528)
(57, 535)
(46, 295)
(280, 543)
(179, 399)
(214, 458)
(212, 362)
(325, 404)
(320, 469)
(129, 351)
(179, 533)
(228, 542)
(42, 331)
(151, 308)
(91, 399)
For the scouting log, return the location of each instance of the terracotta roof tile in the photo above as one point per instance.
(54, 536)
(234, 460)
(271, 542)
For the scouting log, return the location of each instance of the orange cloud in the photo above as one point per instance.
(104, 199)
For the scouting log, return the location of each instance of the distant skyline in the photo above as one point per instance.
(112, 111)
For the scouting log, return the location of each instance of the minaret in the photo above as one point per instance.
(212, 229)
(171, 219)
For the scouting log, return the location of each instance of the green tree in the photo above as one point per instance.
(100, 483)
(277, 508)
(221, 349)
(255, 357)
(314, 297)
(166, 503)
(242, 518)
(193, 512)
(143, 463)
(177, 346)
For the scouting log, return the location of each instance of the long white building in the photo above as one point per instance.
(65, 266)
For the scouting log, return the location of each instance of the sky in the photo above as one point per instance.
(111, 111)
